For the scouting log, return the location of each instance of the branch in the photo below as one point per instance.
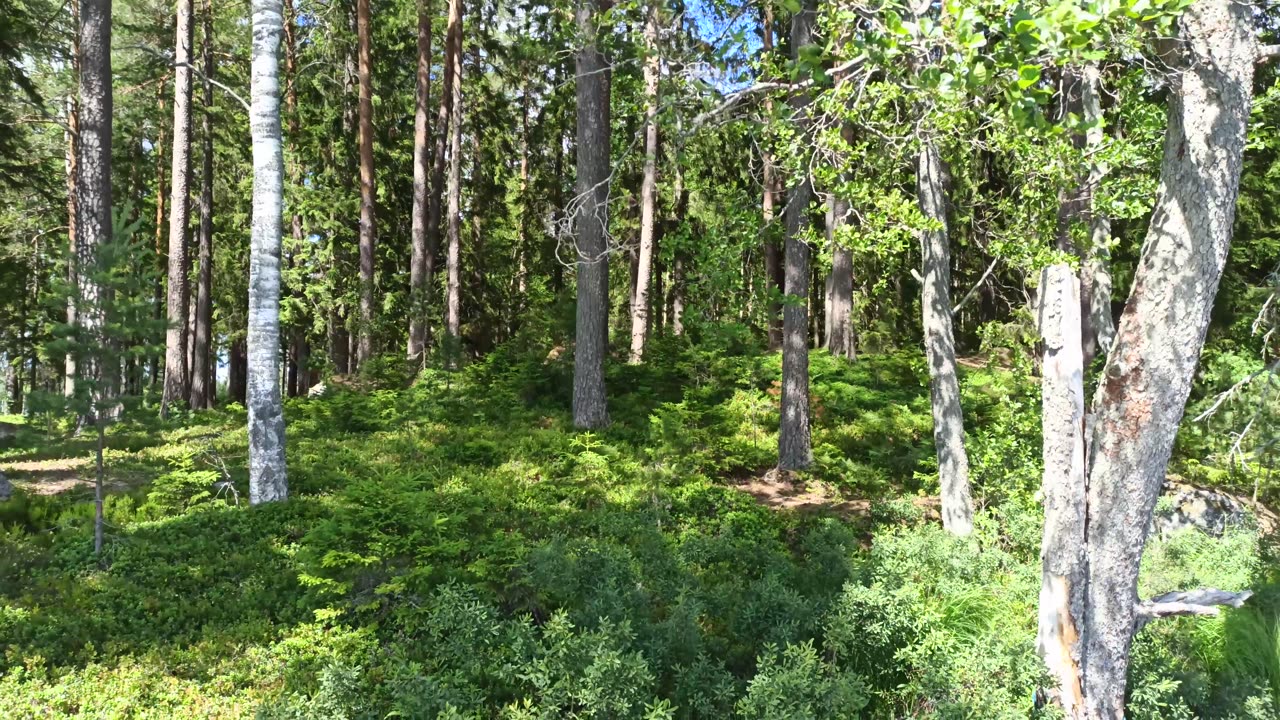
(1268, 52)
(194, 69)
(974, 289)
(737, 96)
(1204, 601)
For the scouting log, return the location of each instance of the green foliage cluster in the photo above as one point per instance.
(456, 550)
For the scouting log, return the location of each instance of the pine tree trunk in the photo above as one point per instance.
(453, 260)
(368, 191)
(267, 479)
(161, 193)
(237, 372)
(794, 446)
(202, 388)
(421, 178)
(444, 138)
(648, 188)
(841, 341)
(178, 293)
(1149, 371)
(93, 181)
(590, 406)
(940, 349)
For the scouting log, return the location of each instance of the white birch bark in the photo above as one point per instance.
(267, 479)
(648, 189)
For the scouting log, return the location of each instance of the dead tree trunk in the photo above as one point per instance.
(1148, 373)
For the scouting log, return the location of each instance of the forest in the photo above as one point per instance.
(640, 359)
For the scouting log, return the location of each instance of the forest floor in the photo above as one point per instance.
(455, 549)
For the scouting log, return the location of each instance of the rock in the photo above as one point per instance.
(318, 390)
(6, 489)
(1186, 506)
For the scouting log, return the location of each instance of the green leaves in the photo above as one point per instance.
(1028, 75)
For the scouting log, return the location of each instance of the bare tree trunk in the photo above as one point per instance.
(590, 404)
(1148, 374)
(453, 260)
(1095, 270)
(161, 193)
(175, 344)
(267, 478)
(679, 281)
(775, 281)
(841, 340)
(1062, 553)
(202, 389)
(421, 178)
(648, 188)
(794, 445)
(940, 348)
(368, 191)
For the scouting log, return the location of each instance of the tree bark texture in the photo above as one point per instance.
(73, 113)
(177, 295)
(368, 191)
(590, 408)
(1147, 377)
(775, 282)
(840, 335)
(795, 450)
(267, 478)
(93, 179)
(421, 179)
(648, 189)
(453, 259)
(1095, 270)
(1062, 553)
(940, 347)
(202, 376)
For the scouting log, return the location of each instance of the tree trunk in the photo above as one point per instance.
(368, 192)
(1095, 270)
(267, 479)
(177, 294)
(590, 405)
(648, 188)
(1148, 374)
(298, 329)
(161, 193)
(93, 166)
(840, 339)
(202, 389)
(69, 368)
(1062, 553)
(775, 281)
(421, 177)
(237, 372)
(453, 260)
(794, 447)
(940, 349)
(444, 138)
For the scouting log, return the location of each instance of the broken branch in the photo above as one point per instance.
(1203, 601)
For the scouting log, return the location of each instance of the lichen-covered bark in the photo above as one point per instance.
(176, 377)
(1062, 551)
(795, 449)
(93, 178)
(1148, 374)
(590, 409)
(940, 345)
(267, 479)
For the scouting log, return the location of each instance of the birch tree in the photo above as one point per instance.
(648, 187)
(267, 479)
